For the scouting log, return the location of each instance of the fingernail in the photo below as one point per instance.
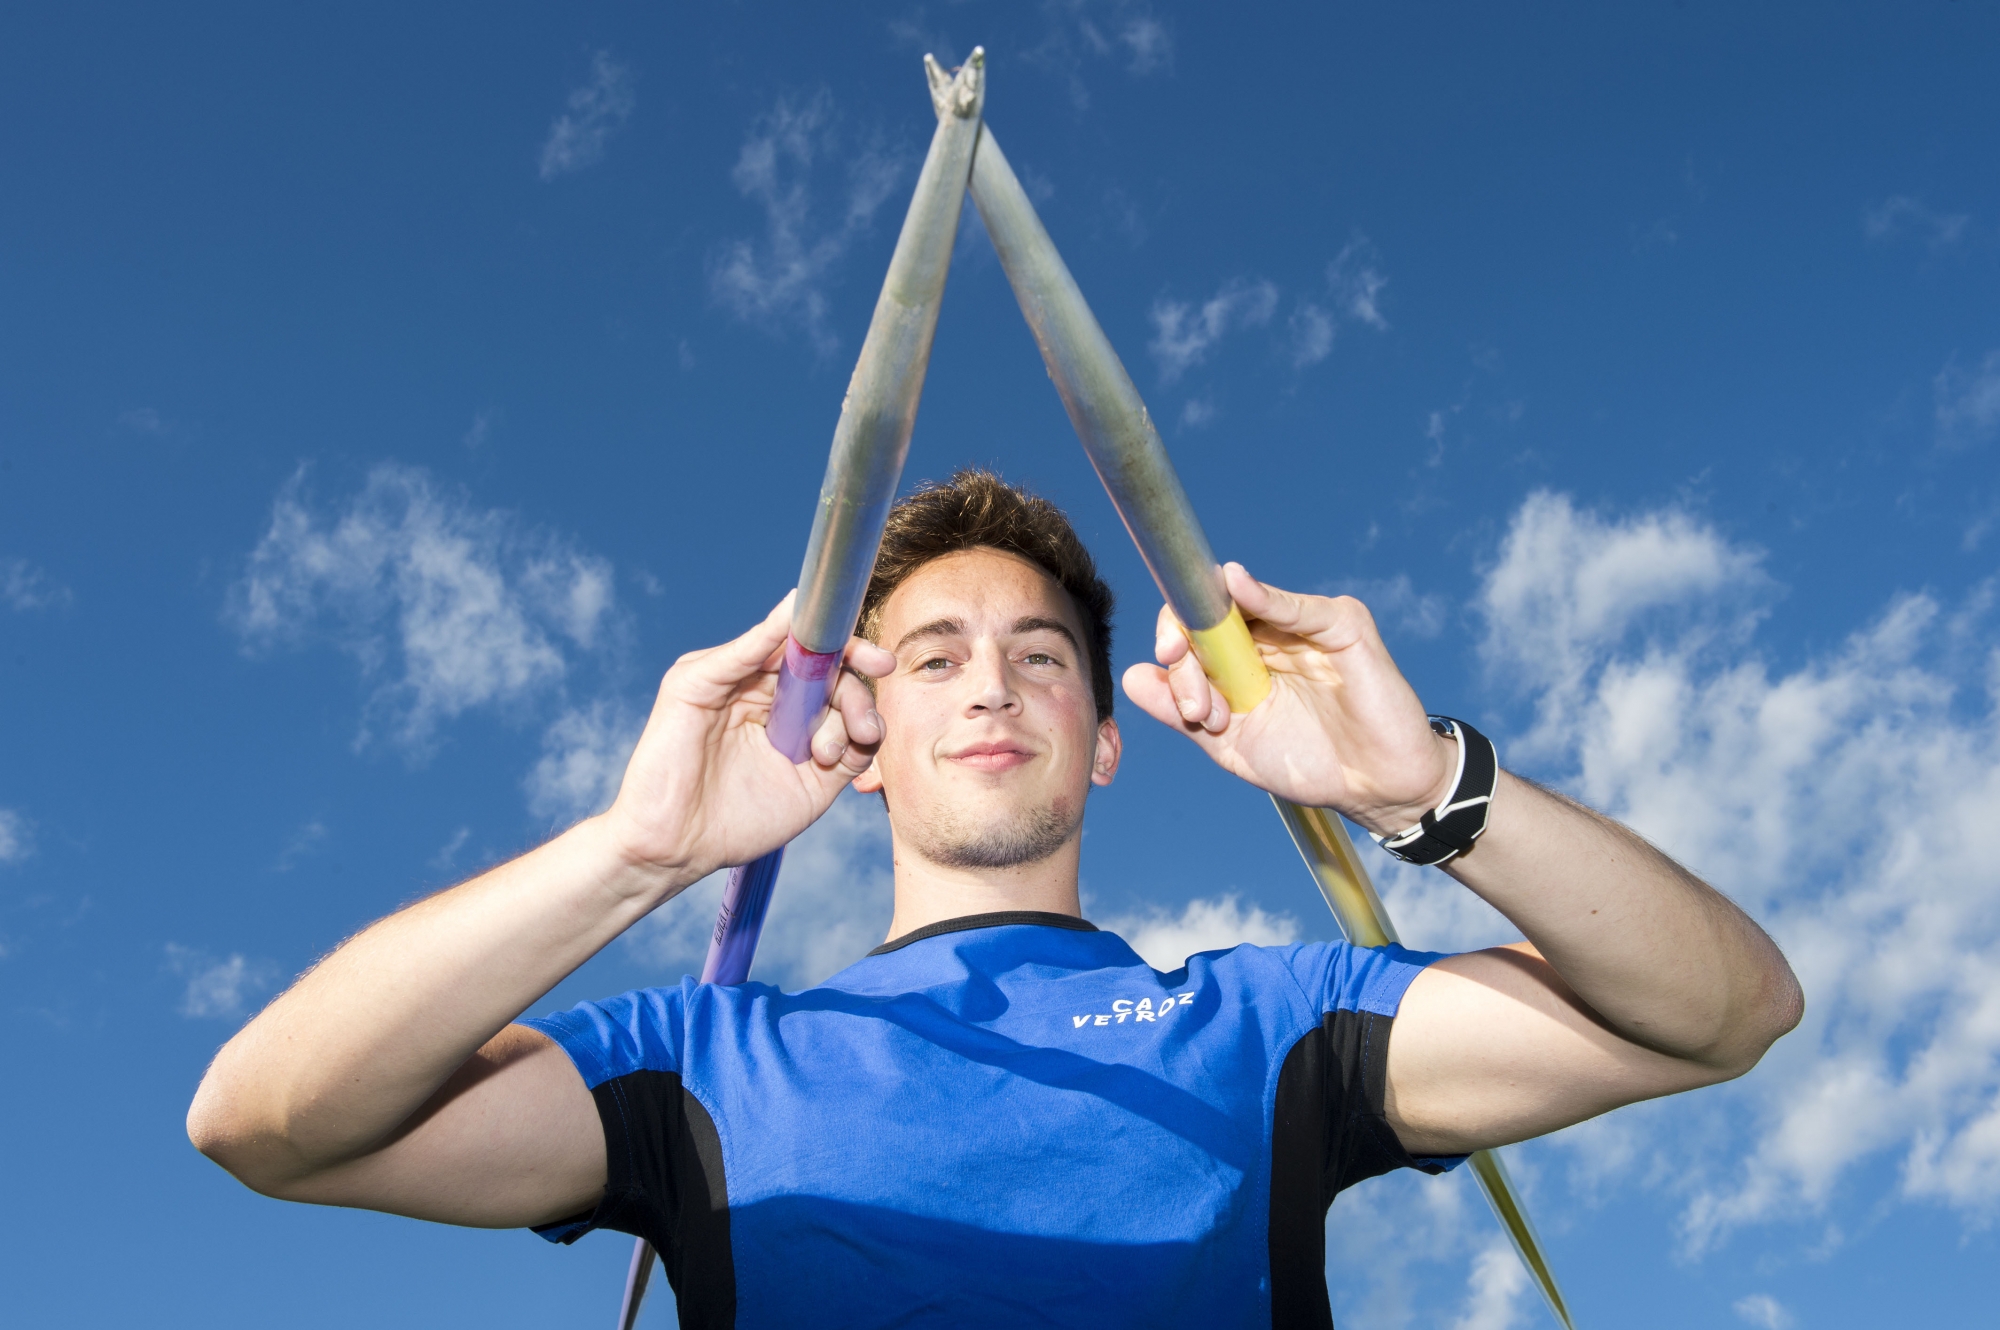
(875, 717)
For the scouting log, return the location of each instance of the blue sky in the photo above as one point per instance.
(387, 396)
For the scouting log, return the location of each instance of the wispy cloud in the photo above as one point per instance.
(218, 988)
(1397, 605)
(1901, 215)
(584, 752)
(1356, 280)
(1184, 333)
(832, 903)
(143, 420)
(444, 606)
(1493, 1298)
(25, 587)
(596, 111)
(446, 859)
(1311, 329)
(304, 842)
(1079, 32)
(779, 280)
(1844, 802)
(17, 837)
(1968, 401)
(1763, 1311)
(1165, 939)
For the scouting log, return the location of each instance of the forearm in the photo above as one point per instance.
(1662, 958)
(331, 1069)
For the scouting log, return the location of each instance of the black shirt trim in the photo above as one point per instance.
(1328, 1132)
(998, 919)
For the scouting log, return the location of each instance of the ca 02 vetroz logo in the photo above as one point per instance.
(1124, 1010)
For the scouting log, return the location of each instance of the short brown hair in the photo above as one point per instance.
(976, 509)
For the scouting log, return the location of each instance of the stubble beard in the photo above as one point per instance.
(1028, 837)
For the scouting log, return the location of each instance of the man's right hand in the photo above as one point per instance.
(706, 789)
(387, 1076)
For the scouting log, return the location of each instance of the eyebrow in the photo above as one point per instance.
(1035, 623)
(935, 628)
(956, 628)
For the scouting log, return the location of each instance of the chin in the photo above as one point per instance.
(1009, 840)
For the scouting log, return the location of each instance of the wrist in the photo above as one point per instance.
(1448, 829)
(624, 867)
(1392, 819)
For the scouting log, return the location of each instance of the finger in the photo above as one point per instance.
(1149, 688)
(834, 753)
(864, 657)
(1170, 641)
(856, 705)
(1330, 622)
(751, 653)
(1193, 693)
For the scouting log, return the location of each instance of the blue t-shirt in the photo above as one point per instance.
(1002, 1120)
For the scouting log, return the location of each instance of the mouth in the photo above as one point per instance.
(991, 756)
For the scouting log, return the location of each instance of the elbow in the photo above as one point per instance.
(251, 1152)
(1770, 1012)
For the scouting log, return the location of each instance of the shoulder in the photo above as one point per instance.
(1331, 976)
(640, 1030)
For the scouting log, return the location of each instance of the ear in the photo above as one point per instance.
(870, 780)
(1104, 763)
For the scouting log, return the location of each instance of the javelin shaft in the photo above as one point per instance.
(862, 470)
(1124, 446)
(869, 445)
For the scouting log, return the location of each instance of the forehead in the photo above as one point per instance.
(983, 587)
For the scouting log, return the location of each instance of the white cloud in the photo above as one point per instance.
(25, 587)
(143, 420)
(1902, 215)
(596, 111)
(1183, 334)
(1845, 802)
(584, 753)
(834, 897)
(445, 607)
(1311, 330)
(218, 989)
(1569, 586)
(1149, 43)
(1493, 1295)
(1397, 605)
(305, 841)
(1356, 279)
(1164, 940)
(17, 839)
(779, 280)
(446, 859)
(1080, 31)
(1764, 1311)
(1198, 412)
(1968, 401)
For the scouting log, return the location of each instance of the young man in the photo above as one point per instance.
(1001, 1116)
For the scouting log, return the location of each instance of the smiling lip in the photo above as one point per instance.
(992, 757)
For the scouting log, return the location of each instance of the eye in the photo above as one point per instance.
(1039, 658)
(935, 663)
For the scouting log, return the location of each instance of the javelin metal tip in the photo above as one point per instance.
(961, 91)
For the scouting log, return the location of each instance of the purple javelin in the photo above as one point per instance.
(862, 471)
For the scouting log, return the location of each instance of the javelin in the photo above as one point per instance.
(1124, 446)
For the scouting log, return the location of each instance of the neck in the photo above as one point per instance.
(927, 892)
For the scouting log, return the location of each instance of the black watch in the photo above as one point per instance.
(1448, 830)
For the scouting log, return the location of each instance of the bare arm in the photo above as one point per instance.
(387, 1077)
(1640, 980)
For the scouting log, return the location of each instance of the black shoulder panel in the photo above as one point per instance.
(664, 1183)
(1327, 1134)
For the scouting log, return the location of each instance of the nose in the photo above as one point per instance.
(989, 678)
